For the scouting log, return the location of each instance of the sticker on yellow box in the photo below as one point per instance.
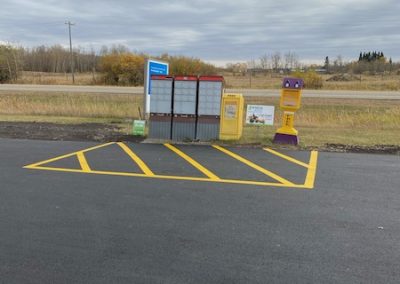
(230, 110)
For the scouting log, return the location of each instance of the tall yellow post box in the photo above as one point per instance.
(231, 117)
(289, 103)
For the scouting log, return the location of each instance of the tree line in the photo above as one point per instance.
(371, 56)
(44, 59)
(118, 65)
(276, 62)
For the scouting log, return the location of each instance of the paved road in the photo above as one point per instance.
(390, 95)
(74, 227)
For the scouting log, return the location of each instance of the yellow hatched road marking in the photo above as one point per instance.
(67, 155)
(194, 163)
(83, 162)
(290, 159)
(254, 166)
(312, 168)
(85, 168)
(145, 169)
(233, 181)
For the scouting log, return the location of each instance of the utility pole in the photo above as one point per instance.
(70, 50)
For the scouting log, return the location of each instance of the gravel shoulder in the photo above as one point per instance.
(64, 132)
(100, 132)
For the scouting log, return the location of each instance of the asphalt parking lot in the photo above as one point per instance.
(77, 212)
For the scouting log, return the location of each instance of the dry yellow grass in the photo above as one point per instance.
(274, 81)
(319, 121)
(258, 81)
(70, 104)
(43, 78)
(367, 83)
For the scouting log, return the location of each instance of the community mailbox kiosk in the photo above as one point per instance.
(152, 67)
(209, 107)
(184, 108)
(231, 117)
(289, 103)
(161, 107)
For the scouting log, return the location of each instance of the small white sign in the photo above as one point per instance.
(259, 114)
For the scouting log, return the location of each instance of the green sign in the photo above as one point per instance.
(138, 127)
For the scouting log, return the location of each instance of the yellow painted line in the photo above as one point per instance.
(312, 168)
(309, 182)
(254, 166)
(290, 159)
(66, 156)
(83, 162)
(194, 163)
(231, 181)
(145, 169)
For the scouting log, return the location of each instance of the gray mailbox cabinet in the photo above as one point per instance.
(161, 93)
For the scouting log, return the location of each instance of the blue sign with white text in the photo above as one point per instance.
(156, 68)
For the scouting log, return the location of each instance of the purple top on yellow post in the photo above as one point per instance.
(292, 83)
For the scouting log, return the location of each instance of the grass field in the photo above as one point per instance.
(258, 81)
(274, 81)
(43, 78)
(319, 121)
(70, 104)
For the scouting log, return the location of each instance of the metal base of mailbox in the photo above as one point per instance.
(160, 126)
(184, 128)
(208, 128)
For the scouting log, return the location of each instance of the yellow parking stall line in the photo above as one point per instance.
(254, 166)
(66, 156)
(230, 181)
(145, 169)
(290, 159)
(312, 168)
(83, 162)
(194, 163)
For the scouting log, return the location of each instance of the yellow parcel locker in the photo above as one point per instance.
(231, 117)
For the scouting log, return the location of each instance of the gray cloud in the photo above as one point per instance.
(212, 30)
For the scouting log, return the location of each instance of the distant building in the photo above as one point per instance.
(321, 70)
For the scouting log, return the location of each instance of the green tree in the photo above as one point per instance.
(9, 63)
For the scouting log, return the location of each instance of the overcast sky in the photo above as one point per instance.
(216, 31)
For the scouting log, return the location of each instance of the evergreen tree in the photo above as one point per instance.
(326, 65)
(371, 56)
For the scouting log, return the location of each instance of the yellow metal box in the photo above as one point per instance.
(290, 99)
(231, 117)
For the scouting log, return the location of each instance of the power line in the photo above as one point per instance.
(70, 50)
